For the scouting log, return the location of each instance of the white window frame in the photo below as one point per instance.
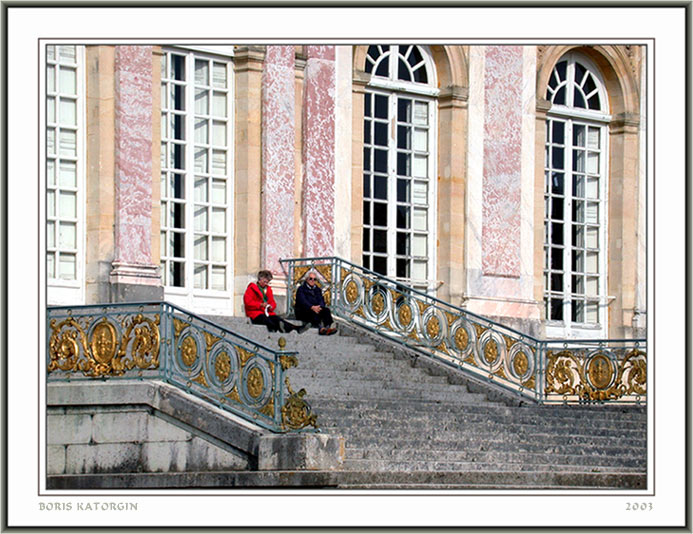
(198, 299)
(566, 328)
(393, 89)
(59, 290)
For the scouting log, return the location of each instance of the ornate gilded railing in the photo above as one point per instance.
(162, 341)
(563, 371)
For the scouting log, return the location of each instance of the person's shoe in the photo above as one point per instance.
(303, 328)
(330, 331)
(322, 331)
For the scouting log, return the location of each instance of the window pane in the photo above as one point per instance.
(420, 140)
(219, 104)
(200, 276)
(50, 234)
(592, 213)
(68, 81)
(50, 79)
(218, 249)
(419, 245)
(200, 159)
(403, 244)
(381, 105)
(218, 220)
(592, 163)
(68, 205)
(219, 192)
(420, 193)
(420, 219)
(379, 241)
(592, 188)
(202, 101)
(68, 266)
(402, 190)
(593, 138)
(380, 187)
(201, 72)
(201, 248)
(68, 174)
(219, 133)
(420, 166)
(219, 162)
(403, 164)
(201, 189)
(50, 110)
(421, 113)
(201, 219)
(591, 262)
(50, 265)
(380, 161)
(404, 110)
(218, 278)
(219, 76)
(403, 217)
(380, 133)
(379, 214)
(592, 237)
(50, 203)
(68, 236)
(201, 129)
(579, 135)
(592, 286)
(419, 270)
(380, 265)
(68, 143)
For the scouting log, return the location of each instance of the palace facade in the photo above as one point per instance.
(508, 180)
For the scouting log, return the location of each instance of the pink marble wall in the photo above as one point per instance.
(502, 161)
(133, 155)
(278, 126)
(319, 151)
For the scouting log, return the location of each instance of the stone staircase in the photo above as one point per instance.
(411, 423)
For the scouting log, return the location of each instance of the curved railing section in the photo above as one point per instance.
(557, 371)
(158, 340)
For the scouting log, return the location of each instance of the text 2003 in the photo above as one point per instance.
(639, 506)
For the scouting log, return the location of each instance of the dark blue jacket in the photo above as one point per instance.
(307, 296)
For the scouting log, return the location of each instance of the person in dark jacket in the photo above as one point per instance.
(259, 304)
(310, 306)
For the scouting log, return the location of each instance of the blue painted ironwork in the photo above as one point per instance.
(158, 340)
(556, 371)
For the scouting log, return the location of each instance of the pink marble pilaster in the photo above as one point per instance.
(319, 151)
(501, 207)
(278, 141)
(133, 167)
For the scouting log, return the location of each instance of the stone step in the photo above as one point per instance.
(606, 447)
(344, 408)
(432, 466)
(399, 420)
(356, 373)
(521, 433)
(590, 458)
(330, 391)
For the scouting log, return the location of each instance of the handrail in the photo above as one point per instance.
(546, 371)
(159, 340)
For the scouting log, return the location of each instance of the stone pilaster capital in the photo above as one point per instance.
(542, 106)
(453, 96)
(625, 123)
(249, 57)
(360, 79)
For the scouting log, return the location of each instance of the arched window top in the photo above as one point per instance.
(399, 63)
(576, 83)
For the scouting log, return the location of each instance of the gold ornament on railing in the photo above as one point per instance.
(103, 354)
(596, 378)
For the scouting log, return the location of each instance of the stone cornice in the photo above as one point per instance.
(248, 58)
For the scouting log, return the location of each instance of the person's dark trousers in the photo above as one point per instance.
(323, 318)
(270, 321)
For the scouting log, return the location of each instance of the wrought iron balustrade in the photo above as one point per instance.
(556, 371)
(162, 341)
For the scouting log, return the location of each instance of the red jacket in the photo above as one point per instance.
(254, 303)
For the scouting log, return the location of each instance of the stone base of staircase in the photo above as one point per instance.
(402, 480)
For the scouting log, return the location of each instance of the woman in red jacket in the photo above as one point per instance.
(259, 304)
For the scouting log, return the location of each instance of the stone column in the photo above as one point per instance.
(278, 171)
(134, 276)
(319, 151)
(248, 62)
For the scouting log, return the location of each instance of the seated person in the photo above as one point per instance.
(259, 304)
(310, 306)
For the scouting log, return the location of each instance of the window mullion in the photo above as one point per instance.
(568, 225)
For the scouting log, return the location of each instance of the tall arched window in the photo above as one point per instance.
(575, 198)
(399, 164)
